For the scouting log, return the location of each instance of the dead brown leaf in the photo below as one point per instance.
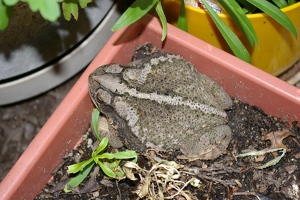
(277, 138)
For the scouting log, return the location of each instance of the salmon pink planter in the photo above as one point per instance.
(71, 119)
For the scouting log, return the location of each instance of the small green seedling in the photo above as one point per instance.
(108, 162)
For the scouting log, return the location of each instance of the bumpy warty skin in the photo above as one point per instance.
(162, 102)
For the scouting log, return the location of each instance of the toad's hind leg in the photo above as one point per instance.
(208, 145)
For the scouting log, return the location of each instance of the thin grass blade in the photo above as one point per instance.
(241, 20)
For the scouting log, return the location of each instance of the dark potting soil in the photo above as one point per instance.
(226, 177)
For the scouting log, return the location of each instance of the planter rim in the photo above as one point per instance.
(250, 16)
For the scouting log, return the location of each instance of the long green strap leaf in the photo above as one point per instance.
(239, 17)
(247, 7)
(290, 2)
(136, 11)
(280, 3)
(275, 13)
(232, 40)
(182, 21)
(163, 20)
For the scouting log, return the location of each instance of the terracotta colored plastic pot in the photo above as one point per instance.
(278, 49)
(69, 122)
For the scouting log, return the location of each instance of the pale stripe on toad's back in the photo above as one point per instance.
(174, 101)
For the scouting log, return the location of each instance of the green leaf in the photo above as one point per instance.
(83, 3)
(5, 13)
(108, 156)
(70, 8)
(232, 40)
(72, 169)
(50, 10)
(112, 169)
(136, 11)
(240, 18)
(247, 7)
(291, 2)
(106, 170)
(120, 174)
(10, 2)
(275, 13)
(128, 154)
(182, 21)
(112, 163)
(95, 120)
(103, 144)
(280, 3)
(115, 167)
(78, 178)
(163, 20)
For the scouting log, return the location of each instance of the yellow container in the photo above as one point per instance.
(277, 50)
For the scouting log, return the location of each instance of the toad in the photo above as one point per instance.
(160, 101)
